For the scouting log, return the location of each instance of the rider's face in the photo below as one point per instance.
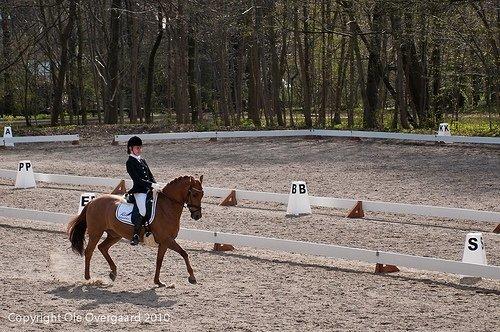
(136, 150)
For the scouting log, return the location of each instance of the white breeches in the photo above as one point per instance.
(140, 200)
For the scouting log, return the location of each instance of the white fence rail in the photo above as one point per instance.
(313, 132)
(40, 139)
(299, 247)
(216, 134)
(329, 202)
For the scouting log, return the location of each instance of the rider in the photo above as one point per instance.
(143, 180)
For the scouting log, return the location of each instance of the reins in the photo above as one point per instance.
(186, 201)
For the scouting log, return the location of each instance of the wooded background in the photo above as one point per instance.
(316, 63)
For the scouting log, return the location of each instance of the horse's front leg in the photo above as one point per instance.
(172, 244)
(162, 248)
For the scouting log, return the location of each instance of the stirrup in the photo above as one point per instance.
(147, 230)
(135, 240)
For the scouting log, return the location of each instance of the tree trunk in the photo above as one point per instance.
(325, 68)
(399, 102)
(340, 83)
(151, 69)
(193, 84)
(169, 89)
(63, 67)
(359, 63)
(79, 64)
(72, 81)
(414, 73)
(223, 76)
(181, 67)
(304, 60)
(264, 85)
(112, 102)
(436, 82)
(373, 77)
(275, 67)
(254, 81)
(8, 98)
(352, 84)
(133, 43)
(238, 82)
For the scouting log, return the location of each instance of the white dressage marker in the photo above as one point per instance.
(25, 177)
(298, 200)
(475, 253)
(85, 198)
(7, 137)
(444, 129)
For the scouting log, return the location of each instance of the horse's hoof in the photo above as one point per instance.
(192, 280)
(112, 275)
(159, 283)
(87, 277)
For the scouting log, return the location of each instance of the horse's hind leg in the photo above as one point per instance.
(93, 239)
(104, 247)
(172, 244)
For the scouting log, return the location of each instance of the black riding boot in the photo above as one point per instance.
(137, 221)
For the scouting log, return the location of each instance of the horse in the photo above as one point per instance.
(98, 216)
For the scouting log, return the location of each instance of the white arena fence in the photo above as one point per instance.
(256, 196)
(40, 139)
(298, 247)
(312, 132)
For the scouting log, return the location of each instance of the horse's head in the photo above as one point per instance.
(195, 194)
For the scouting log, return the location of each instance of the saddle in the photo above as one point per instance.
(124, 210)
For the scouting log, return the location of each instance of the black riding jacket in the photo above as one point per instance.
(140, 174)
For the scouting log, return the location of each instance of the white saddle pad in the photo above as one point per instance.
(124, 211)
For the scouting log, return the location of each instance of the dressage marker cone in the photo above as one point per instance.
(7, 136)
(475, 253)
(223, 247)
(25, 177)
(357, 211)
(381, 268)
(84, 200)
(120, 189)
(298, 200)
(230, 200)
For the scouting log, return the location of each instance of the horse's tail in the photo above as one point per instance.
(76, 231)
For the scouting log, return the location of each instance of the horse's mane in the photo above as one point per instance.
(177, 180)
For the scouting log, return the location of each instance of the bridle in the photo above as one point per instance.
(188, 200)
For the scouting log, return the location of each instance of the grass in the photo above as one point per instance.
(474, 124)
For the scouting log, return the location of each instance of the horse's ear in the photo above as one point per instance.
(201, 179)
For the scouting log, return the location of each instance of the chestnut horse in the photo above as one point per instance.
(98, 217)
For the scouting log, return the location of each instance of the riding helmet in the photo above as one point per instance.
(133, 141)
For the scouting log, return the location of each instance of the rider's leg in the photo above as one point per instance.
(138, 212)
(136, 219)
